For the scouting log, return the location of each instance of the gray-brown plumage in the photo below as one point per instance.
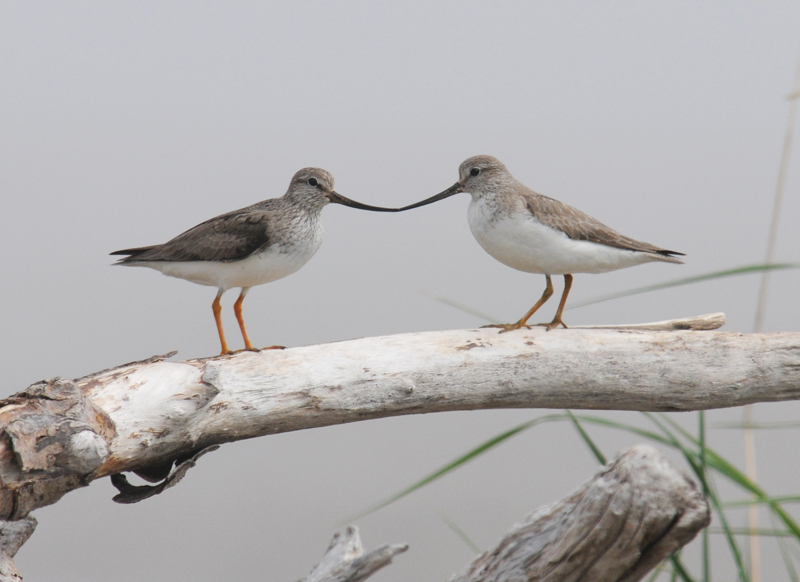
(578, 225)
(228, 237)
(537, 234)
(251, 246)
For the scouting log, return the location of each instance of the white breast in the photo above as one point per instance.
(523, 243)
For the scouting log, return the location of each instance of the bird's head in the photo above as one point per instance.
(476, 175)
(480, 173)
(314, 187)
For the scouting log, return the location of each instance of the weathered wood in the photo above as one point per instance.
(707, 322)
(146, 416)
(345, 561)
(636, 512)
(12, 535)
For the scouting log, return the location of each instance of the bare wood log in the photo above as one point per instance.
(146, 416)
(700, 323)
(345, 561)
(636, 512)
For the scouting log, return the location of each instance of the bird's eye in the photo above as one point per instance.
(312, 182)
(474, 171)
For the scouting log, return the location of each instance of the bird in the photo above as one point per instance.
(251, 246)
(533, 233)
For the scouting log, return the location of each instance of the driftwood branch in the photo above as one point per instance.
(637, 511)
(345, 560)
(148, 417)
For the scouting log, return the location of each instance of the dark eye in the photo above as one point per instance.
(312, 182)
(474, 171)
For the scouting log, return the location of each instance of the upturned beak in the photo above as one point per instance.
(337, 198)
(456, 188)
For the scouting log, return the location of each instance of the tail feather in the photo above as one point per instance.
(669, 256)
(131, 254)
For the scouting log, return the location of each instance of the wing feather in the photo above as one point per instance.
(228, 237)
(578, 225)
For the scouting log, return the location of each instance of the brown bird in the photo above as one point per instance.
(537, 234)
(251, 246)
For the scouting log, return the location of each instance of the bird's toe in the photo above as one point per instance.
(504, 327)
(553, 324)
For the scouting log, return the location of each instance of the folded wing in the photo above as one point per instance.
(229, 237)
(578, 225)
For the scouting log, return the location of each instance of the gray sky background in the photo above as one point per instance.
(123, 124)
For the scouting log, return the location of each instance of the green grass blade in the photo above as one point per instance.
(679, 569)
(462, 307)
(460, 533)
(693, 459)
(658, 570)
(585, 436)
(727, 469)
(745, 270)
(744, 531)
(758, 425)
(482, 448)
(701, 429)
(768, 500)
(626, 427)
(727, 530)
(785, 555)
(463, 459)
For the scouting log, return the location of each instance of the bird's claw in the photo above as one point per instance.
(504, 327)
(553, 324)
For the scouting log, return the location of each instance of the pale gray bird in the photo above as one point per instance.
(537, 234)
(251, 246)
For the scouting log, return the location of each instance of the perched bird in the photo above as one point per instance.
(537, 234)
(251, 246)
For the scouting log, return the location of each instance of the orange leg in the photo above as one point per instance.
(237, 309)
(548, 292)
(217, 308)
(557, 319)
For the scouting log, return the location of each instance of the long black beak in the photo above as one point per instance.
(337, 198)
(456, 188)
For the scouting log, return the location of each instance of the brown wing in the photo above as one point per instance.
(229, 237)
(578, 225)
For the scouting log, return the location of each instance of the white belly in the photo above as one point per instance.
(273, 264)
(525, 244)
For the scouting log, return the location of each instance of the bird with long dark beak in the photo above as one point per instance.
(251, 246)
(536, 234)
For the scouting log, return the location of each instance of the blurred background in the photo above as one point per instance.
(123, 124)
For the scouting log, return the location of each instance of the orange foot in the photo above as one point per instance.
(553, 324)
(258, 350)
(504, 327)
(250, 349)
